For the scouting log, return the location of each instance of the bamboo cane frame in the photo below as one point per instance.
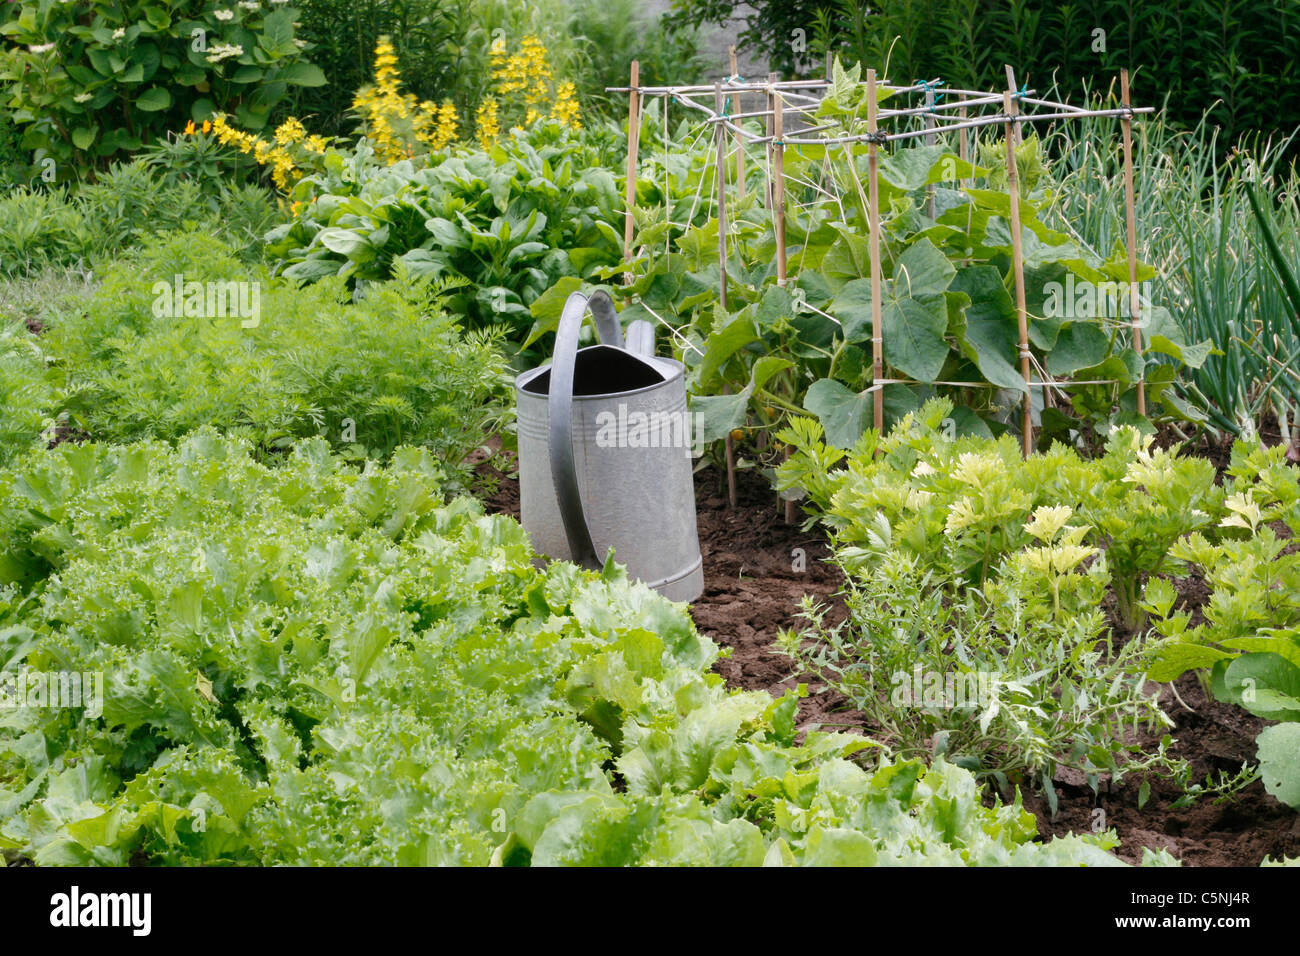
(778, 188)
(960, 114)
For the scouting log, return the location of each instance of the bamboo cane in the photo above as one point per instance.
(633, 145)
(740, 139)
(963, 147)
(929, 141)
(873, 239)
(778, 189)
(770, 125)
(1018, 267)
(720, 135)
(1011, 85)
(778, 213)
(1130, 215)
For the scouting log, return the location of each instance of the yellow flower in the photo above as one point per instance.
(290, 131)
(566, 106)
(444, 122)
(489, 126)
(526, 71)
(189, 128)
(395, 122)
(207, 126)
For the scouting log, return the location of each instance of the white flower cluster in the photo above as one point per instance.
(223, 51)
(224, 15)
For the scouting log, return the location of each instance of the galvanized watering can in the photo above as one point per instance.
(605, 454)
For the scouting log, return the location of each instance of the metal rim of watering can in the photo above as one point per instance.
(564, 472)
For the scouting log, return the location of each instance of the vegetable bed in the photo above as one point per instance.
(753, 591)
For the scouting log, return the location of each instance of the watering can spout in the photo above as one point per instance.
(641, 338)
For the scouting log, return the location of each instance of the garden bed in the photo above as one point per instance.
(752, 590)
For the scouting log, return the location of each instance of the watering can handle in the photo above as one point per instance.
(564, 474)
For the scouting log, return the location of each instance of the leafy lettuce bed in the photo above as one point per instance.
(311, 664)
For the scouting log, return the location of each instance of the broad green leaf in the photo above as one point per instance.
(990, 338)
(922, 271)
(722, 345)
(914, 336)
(154, 99)
(844, 414)
(549, 306)
(1266, 684)
(1080, 345)
(1279, 762)
(1175, 659)
(303, 74)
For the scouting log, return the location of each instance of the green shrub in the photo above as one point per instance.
(391, 369)
(963, 504)
(964, 561)
(130, 203)
(511, 221)
(307, 665)
(14, 170)
(89, 82)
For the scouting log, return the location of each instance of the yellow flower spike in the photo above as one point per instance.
(489, 127)
(290, 131)
(566, 106)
